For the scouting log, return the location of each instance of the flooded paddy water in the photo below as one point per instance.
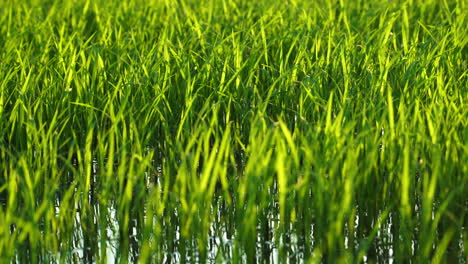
(104, 232)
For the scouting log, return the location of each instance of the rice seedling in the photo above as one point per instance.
(233, 131)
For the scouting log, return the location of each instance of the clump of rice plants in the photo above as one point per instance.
(233, 131)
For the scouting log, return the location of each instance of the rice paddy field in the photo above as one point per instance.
(234, 131)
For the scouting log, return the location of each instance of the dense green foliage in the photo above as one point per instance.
(233, 130)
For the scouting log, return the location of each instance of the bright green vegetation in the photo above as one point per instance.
(234, 130)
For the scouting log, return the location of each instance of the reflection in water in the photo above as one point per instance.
(271, 246)
(111, 231)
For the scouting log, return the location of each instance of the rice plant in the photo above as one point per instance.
(219, 131)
